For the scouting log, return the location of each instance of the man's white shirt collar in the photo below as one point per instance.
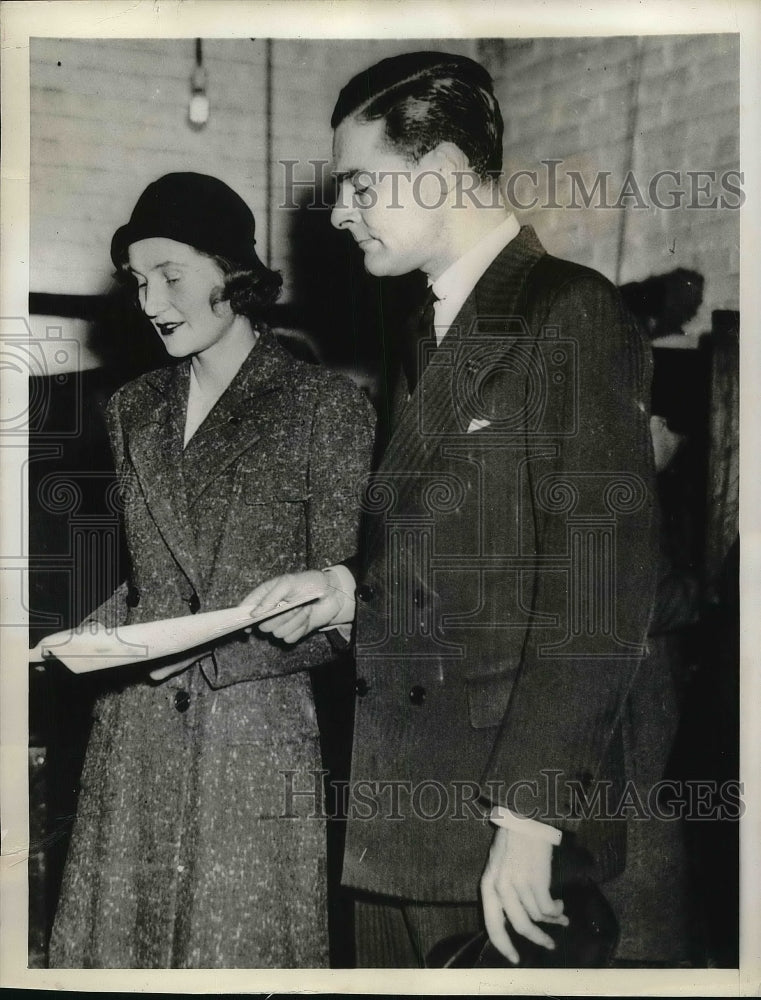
(456, 283)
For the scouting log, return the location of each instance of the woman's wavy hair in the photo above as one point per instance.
(250, 293)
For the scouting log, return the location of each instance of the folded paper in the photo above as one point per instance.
(94, 647)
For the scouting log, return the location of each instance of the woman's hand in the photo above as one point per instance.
(161, 673)
(332, 606)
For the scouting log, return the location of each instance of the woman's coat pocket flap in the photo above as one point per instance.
(488, 698)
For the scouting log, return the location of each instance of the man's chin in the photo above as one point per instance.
(376, 269)
(382, 268)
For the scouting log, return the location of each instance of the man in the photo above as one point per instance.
(505, 579)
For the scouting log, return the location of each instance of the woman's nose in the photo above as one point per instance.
(153, 300)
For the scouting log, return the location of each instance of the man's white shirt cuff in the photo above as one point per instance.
(501, 816)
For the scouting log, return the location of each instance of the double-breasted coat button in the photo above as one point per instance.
(182, 701)
(417, 695)
(234, 420)
(365, 592)
(361, 687)
(133, 596)
(194, 603)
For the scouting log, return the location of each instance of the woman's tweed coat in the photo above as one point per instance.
(180, 856)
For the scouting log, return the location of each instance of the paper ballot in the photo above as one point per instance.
(94, 647)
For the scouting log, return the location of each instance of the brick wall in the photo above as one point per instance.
(107, 117)
(619, 104)
(110, 116)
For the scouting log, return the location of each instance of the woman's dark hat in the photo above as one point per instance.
(195, 209)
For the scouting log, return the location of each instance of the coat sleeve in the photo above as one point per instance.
(339, 462)
(339, 454)
(113, 611)
(677, 596)
(568, 696)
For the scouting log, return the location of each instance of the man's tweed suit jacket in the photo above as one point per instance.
(506, 583)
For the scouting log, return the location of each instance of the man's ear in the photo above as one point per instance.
(448, 160)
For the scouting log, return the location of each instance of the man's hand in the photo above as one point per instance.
(328, 609)
(516, 885)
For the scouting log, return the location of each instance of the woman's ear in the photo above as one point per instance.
(220, 305)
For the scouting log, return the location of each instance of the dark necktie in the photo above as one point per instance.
(420, 328)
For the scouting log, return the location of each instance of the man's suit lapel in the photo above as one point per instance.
(155, 445)
(432, 411)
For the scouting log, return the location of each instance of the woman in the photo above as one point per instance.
(236, 464)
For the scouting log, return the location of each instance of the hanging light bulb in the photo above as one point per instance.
(198, 110)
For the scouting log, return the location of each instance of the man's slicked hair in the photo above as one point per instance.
(426, 98)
